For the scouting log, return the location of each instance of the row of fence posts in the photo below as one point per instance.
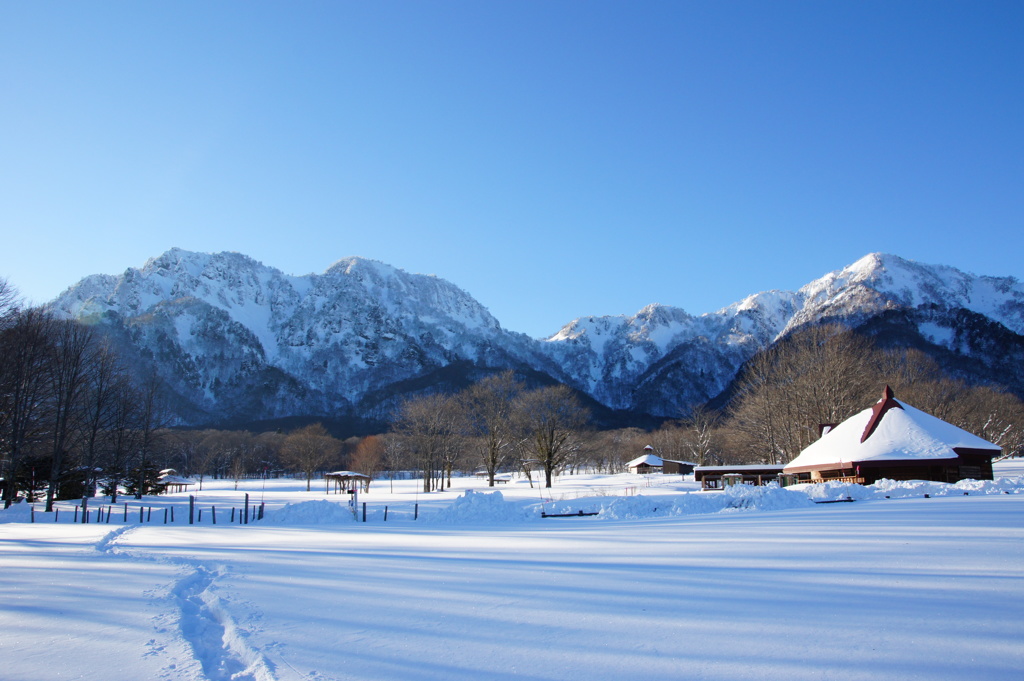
(146, 513)
(415, 512)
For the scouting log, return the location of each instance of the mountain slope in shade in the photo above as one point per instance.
(239, 340)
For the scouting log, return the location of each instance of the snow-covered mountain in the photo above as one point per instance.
(237, 340)
(663, 360)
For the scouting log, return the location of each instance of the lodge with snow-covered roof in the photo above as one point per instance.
(646, 463)
(896, 441)
(650, 462)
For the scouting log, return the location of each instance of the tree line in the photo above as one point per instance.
(825, 374)
(494, 425)
(69, 409)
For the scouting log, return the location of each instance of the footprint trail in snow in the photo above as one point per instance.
(216, 641)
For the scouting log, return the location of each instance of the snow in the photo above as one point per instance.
(666, 582)
(906, 433)
(938, 334)
(295, 323)
(314, 512)
(649, 459)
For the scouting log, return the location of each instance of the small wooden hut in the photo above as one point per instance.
(670, 467)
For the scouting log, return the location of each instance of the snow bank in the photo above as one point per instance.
(740, 497)
(481, 507)
(833, 491)
(912, 488)
(904, 489)
(17, 513)
(319, 512)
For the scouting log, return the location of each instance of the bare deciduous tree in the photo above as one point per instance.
(551, 418)
(25, 349)
(432, 431)
(700, 430)
(308, 449)
(368, 456)
(821, 374)
(488, 407)
(69, 364)
(151, 419)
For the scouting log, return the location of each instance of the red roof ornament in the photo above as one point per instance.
(883, 405)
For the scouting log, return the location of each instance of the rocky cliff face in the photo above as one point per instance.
(237, 340)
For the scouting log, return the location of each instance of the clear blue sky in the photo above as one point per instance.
(555, 159)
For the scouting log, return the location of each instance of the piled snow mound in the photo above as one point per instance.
(17, 513)
(833, 491)
(904, 489)
(481, 507)
(320, 512)
(897, 489)
(740, 497)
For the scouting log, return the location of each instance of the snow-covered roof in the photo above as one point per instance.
(168, 479)
(900, 432)
(737, 469)
(649, 459)
(345, 474)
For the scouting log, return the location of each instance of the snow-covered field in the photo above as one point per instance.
(665, 582)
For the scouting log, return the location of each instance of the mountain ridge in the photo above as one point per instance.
(234, 338)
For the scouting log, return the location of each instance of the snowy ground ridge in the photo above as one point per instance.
(218, 644)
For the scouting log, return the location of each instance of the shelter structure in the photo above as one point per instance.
(344, 481)
(894, 440)
(720, 477)
(648, 462)
(170, 481)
